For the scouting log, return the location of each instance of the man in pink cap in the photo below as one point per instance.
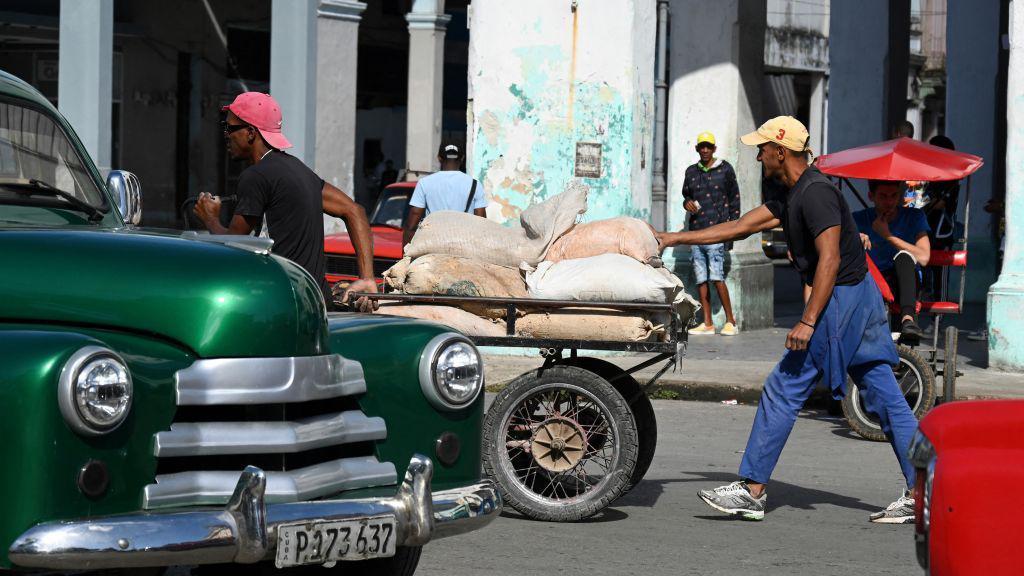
(288, 194)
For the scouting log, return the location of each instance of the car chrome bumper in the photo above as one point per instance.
(246, 530)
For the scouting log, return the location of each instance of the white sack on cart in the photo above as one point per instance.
(469, 236)
(609, 278)
(465, 322)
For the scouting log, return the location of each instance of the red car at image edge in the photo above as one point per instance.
(386, 220)
(969, 458)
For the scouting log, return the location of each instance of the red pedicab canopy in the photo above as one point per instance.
(900, 159)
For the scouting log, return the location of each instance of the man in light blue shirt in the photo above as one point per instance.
(450, 189)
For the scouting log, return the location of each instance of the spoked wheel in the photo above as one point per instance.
(914, 377)
(561, 442)
(639, 404)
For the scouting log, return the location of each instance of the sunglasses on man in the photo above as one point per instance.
(230, 128)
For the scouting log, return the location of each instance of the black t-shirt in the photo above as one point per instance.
(290, 195)
(812, 206)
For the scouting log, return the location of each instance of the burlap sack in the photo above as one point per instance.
(469, 236)
(455, 276)
(587, 325)
(460, 320)
(609, 278)
(627, 236)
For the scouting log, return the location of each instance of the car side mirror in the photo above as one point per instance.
(126, 189)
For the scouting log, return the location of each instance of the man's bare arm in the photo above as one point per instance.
(481, 212)
(757, 220)
(207, 209)
(827, 245)
(921, 249)
(336, 203)
(412, 221)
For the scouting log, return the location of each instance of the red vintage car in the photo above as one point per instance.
(386, 221)
(969, 458)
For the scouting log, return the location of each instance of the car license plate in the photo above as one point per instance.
(323, 542)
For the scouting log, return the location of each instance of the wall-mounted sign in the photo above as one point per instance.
(588, 160)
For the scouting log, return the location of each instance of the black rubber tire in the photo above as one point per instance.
(639, 404)
(403, 563)
(497, 462)
(864, 423)
(949, 364)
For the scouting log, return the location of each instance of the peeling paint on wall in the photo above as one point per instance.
(553, 89)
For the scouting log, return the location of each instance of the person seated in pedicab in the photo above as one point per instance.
(896, 238)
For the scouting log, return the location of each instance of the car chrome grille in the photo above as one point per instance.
(296, 418)
(344, 265)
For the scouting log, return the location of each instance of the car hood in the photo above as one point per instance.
(214, 299)
(387, 243)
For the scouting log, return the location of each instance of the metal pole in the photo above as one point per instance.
(659, 186)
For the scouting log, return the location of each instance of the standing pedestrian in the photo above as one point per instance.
(712, 197)
(293, 199)
(844, 329)
(451, 189)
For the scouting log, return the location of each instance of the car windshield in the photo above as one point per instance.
(391, 209)
(38, 164)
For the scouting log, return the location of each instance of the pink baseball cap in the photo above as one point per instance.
(260, 111)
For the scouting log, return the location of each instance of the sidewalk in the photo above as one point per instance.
(718, 368)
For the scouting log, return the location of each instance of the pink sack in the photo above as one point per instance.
(623, 235)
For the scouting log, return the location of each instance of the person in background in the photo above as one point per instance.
(292, 197)
(712, 196)
(451, 189)
(896, 238)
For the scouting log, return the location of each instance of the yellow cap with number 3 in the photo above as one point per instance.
(785, 131)
(705, 137)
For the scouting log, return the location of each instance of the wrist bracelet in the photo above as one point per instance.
(811, 326)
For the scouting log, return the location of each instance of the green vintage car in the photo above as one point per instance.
(171, 400)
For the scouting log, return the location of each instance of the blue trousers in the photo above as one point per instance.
(852, 337)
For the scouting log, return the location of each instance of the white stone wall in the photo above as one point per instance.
(542, 78)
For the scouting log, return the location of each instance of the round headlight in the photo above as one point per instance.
(95, 391)
(451, 373)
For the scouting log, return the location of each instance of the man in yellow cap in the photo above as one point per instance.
(712, 196)
(844, 329)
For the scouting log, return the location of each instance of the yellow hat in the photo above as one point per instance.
(706, 137)
(785, 131)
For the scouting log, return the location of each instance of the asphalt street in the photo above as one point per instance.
(826, 484)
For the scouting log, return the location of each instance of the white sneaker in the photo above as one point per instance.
(729, 329)
(735, 499)
(899, 512)
(703, 329)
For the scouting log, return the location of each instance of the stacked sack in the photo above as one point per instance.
(459, 254)
(549, 257)
(615, 260)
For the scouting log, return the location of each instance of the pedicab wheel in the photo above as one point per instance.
(639, 404)
(560, 442)
(949, 364)
(914, 377)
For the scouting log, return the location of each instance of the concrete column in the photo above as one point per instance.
(972, 122)
(1006, 296)
(337, 50)
(869, 47)
(427, 23)
(293, 72)
(84, 85)
(717, 69)
(816, 118)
